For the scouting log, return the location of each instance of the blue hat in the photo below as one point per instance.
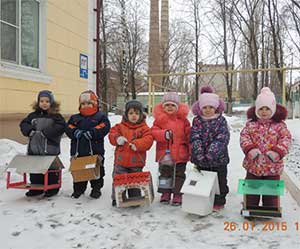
(48, 94)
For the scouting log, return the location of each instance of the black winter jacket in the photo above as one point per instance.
(47, 131)
(99, 126)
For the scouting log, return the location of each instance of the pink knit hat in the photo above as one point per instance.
(207, 97)
(265, 98)
(171, 98)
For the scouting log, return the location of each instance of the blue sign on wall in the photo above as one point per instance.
(83, 64)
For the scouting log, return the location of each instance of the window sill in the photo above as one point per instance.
(22, 73)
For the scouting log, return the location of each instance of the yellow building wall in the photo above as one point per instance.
(66, 38)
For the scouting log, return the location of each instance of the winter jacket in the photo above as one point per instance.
(209, 140)
(98, 124)
(45, 129)
(180, 127)
(137, 134)
(265, 135)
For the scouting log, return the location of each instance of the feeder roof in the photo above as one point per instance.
(138, 177)
(35, 164)
(201, 183)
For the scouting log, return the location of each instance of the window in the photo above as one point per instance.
(20, 32)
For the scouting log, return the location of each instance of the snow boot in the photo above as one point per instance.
(217, 208)
(114, 203)
(96, 193)
(51, 192)
(76, 195)
(165, 198)
(31, 193)
(177, 200)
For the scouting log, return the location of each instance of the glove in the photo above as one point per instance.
(34, 123)
(274, 156)
(252, 154)
(133, 147)
(168, 134)
(78, 133)
(121, 140)
(88, 135)
(31, 134)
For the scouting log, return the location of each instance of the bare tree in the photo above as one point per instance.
(246, 18)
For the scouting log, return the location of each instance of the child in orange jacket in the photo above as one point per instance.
(172, 128)
(132, 138)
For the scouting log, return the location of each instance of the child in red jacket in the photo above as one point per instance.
(171, 123)
(132, 138)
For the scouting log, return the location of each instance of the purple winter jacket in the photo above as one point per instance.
(209, 140)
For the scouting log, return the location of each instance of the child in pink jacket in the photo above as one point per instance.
(172, 127)
(265, 141)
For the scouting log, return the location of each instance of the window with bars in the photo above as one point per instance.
(20, 32)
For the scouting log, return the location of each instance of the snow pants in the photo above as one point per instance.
(267, 200)
(179, 178)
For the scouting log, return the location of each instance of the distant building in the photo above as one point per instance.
(217, 81)
(44, 45)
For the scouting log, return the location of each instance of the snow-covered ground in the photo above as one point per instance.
(62, 222)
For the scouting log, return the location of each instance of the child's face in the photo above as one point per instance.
(264, 112)
(133, 115)
(44, 103)
(86, 104)
(170, 108)
(208, 111)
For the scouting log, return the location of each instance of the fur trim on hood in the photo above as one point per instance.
(160, 115)
(280, 114)
(197, 111)
(54, 108)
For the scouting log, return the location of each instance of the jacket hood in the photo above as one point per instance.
(160, 115)
(197, 111)
(54, 108)
(280, 114)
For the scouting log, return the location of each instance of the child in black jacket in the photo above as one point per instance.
(87, 130)
(44, 127)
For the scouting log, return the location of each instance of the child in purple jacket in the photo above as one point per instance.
(209, 140)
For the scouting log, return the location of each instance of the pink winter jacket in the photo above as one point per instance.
(265, 135)
(180, 126)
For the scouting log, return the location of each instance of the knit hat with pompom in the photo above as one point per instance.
(208, 98)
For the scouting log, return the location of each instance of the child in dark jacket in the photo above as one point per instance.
(265, 141)
(87, 130)
(209, 139)
(44, 127)
(132, 138)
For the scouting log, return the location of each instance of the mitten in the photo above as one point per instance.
(88, 135)
(121, 140)
(78, 133)
(252, 154)
(133, 147)
(168, 134)
(274, 156)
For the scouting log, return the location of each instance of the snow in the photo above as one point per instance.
(63, 222)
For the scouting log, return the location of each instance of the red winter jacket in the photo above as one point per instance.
(137, 134)
(180, 126)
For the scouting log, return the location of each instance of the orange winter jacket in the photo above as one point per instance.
(137, 134)
(180, 127)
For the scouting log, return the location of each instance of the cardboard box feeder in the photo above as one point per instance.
(86, 168)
